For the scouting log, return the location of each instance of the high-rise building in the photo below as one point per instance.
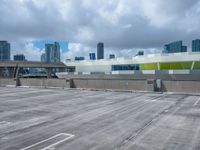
(175, 47)
(4, 50)
(112, 56)
(49, 48)
(100, 51)
(52, 52)
(196, 45)
(184, 49)
(19, 57)
(92, 56)
(57, 52)
(43, 57)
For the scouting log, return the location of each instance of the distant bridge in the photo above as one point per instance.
(13, 66)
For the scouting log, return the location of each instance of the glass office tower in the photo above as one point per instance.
(4, 50)
(19, 57)
(52, 52)
(100, 51)
(196, 45)
(175, 47)
(92, 56)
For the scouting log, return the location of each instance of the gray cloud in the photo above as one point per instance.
(120, 24)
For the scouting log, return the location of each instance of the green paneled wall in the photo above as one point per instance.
(170, 66)
(196, 66)
(148, 67)
(176, 66)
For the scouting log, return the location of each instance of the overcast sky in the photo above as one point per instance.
(125, 26)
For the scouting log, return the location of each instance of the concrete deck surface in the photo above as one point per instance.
(55, 119)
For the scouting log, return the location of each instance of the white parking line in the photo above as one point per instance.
(68, 136)
(197, 102)
(4, 123)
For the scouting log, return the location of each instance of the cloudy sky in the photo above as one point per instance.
(125, 26)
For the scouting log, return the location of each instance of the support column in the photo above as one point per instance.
(192, 66)
(49, 72)
(11, 72)
(158, 64)
(1, 72)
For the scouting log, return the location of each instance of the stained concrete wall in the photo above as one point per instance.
(103, 83)
(181, 86)
(44, 82)
(33, 82)
(7, 81)
(177, 77)
(139, 85)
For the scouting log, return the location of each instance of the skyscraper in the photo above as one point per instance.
(19, 57)
(4, 50)
(56, 52)
(100, 51)
(92, 56)
(196, 45)
(49, 52)
(43, 57)
(175, 47)
(52, 52)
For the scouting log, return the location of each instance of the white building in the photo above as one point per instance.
(176, 61)
(181, 63)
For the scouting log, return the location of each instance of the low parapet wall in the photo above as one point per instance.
(182, 86)
(44, 82)
(164, 76)
(7, 81)
(138, 85)
(33, 82)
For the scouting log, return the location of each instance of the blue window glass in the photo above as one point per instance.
(125, 67)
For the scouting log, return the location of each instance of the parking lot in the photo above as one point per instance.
(58, 119)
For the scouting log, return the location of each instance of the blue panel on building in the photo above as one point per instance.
(125, 67)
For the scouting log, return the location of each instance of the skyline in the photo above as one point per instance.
(125, 26)
(64, 47)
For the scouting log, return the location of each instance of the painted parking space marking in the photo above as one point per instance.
(51, 142)
(4, 123)
(197, 102)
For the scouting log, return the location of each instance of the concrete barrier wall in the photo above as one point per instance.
(44, 82)
(57, 83)
(139, 85)
(102, 83)
(32, 82)
(178, 77)
(7, 81)
(181, 86)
